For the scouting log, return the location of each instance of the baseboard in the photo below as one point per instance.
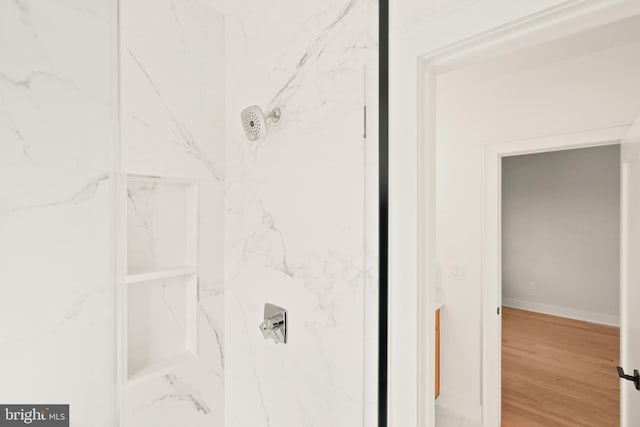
(554, 310)
(459, 406)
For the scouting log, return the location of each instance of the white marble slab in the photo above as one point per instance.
(296, 221)
(57, 304)
(173, 81)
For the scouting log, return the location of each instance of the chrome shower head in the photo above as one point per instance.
(254, 122)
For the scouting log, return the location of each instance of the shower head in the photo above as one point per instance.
(254, 121)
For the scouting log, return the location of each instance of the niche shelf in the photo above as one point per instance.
(162, 279)
(161, 323)
(162, 274)
(162, 224)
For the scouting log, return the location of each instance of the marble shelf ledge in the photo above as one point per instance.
(162, 274)
(161, 368)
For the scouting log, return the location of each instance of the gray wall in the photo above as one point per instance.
(560, 225)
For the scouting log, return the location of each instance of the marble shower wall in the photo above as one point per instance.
(299, 224)
(173, 80)
(298, 229)
(57, 145)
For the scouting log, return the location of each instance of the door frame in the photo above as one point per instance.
(492, 262)
(416, 57)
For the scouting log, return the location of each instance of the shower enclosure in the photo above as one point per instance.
(142, 233)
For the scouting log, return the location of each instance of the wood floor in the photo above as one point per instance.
(558, 372)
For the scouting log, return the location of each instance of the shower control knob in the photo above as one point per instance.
(274, 325)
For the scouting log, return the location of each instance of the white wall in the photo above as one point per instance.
(552, 96)
(411, 264)
(408, 13)
(57, 149)
(561, 232)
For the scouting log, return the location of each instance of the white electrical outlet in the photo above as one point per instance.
(533, 285)
(456, 272)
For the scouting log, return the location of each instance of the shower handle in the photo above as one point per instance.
(274, 325)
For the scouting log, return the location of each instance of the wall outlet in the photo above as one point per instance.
(533, 285)
(456, 272)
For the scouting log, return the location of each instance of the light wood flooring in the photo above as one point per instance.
(558, 372)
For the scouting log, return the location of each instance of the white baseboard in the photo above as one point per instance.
(459, 406)
(554, 310)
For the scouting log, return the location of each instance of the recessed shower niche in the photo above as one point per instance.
(162, 217)
(162, 280)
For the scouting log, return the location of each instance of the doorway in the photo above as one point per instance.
(415, 269)
(560, 241)
(540, 99)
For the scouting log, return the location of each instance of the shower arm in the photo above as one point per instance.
(274, 115)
